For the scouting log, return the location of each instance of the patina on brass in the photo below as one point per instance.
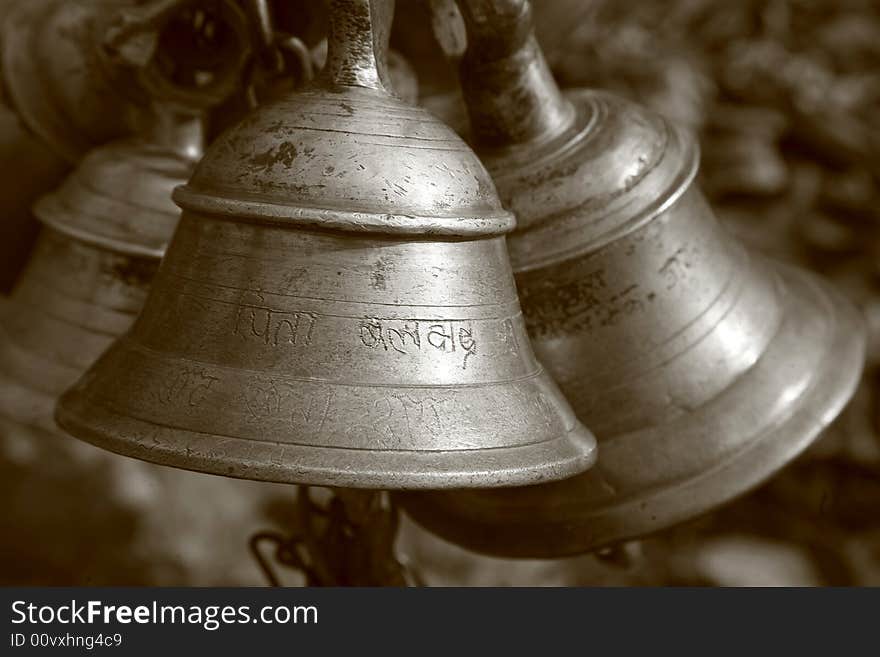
(336, 306)
(104, 231)
(702, 367)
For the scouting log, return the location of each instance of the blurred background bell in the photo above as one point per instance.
(336, 306)
(104, 231)
(56, 106)
(701, 366)
(74, 74)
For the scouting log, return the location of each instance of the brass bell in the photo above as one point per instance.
(336, 306)
(104, 231)
(701, 366)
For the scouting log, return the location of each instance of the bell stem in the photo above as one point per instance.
(509, 90)
(175, 130)
(357, 44)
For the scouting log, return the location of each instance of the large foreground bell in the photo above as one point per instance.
(103, 233)
(336, 306)
(702, 367)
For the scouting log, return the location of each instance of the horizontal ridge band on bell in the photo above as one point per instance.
(189, 198)
(701, 371)
(565, 226)
(119, 199)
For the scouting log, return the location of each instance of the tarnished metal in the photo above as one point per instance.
(702, 368)
(104, 231)
(336, 307)
(77, 74)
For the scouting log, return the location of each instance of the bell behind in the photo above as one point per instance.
(103, 233)
(702, 367)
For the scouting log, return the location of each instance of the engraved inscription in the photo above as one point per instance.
(274, 327)
(190, 386)
(568, 297)
(675, 268)
(587, 303)
(305, 412)
(415, 335)
(395, 419)
(446, 335)
(402, 337)
(508, 336)
(263, 400)
(313, 413)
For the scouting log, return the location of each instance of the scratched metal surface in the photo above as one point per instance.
(788, 166)
(703, 368)
(393, 354)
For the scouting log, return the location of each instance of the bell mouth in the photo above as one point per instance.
(241, 458)
(599, 508)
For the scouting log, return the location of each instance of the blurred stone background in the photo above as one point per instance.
(784, 95)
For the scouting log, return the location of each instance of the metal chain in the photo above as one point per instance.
(280, 56)
(350, 542)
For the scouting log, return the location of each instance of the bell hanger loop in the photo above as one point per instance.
(511, 96)
(260, 15)
(279, 56)
(174, 129)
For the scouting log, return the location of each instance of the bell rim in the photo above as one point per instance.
(746, 469)
(558, 458)
(214, 203)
